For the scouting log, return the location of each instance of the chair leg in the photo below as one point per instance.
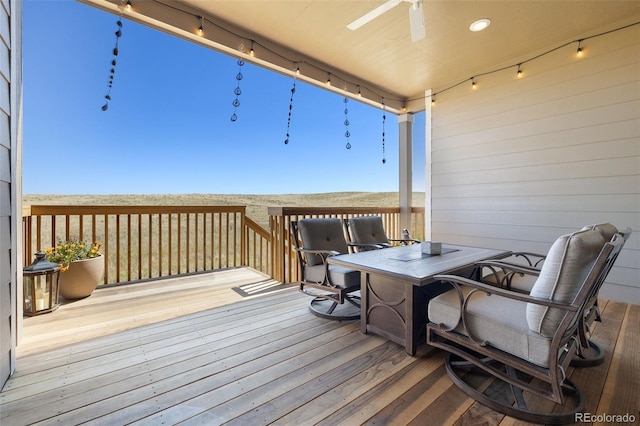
(519, 404)
(588, 357)
(325, 307)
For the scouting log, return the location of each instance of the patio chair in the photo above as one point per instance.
(524, 343)
(367, 233)
(521, 277)
(330, 285)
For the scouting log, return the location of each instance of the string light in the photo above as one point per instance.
(251, 51)
(579, 51)
(433, 99)
(359, 92)
(328, 79)
(201, 27)
(519, 72)
(473, 83)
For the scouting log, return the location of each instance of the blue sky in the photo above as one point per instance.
(168, 127)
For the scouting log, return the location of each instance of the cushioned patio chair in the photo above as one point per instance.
(367, 233)
(512, 273)
(523, 342)
(330, 285)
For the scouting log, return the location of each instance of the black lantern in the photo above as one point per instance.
(40, 283)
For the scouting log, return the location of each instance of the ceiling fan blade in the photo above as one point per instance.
(385, 7)
(416, 21)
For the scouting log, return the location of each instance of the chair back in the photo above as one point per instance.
(366, 230)
(568, 264)
(606, 229)
(320, 234)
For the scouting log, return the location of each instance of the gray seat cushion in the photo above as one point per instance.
(568, 263)
(338, 276)
(367, 230)
(321, 234)
(500, 321)
(606, 229)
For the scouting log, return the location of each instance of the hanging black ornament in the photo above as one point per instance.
(293, 91)
(112, 71)
(237, 91)
(384, 118)
(347, 133)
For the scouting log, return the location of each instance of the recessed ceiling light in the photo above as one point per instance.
(480, 25)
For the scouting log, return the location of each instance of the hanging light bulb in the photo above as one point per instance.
(473, 83)
(359, 92)
(433, 99)
(297, 71)
(251, 51)
(201, 27)
(129, 6)
(328, 79)
(519, 74)
(579, 51)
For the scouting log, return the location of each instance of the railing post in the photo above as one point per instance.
(243, 235)
(278, 232)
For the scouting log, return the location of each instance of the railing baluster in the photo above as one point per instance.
(140, 246)
(106, 248)
(128, 247)
(117, 217)
(150, 231)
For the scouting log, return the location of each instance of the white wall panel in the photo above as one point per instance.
(519, 161)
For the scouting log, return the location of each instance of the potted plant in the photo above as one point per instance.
(82, 267)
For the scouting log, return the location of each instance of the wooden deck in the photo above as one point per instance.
(235, 347)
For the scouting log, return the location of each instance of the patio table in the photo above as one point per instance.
(397, 284)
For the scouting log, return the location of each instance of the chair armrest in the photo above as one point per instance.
(368, 245)
(489, 289)
(530, 257)
(509, 267)
(323, 253)
(402, 241)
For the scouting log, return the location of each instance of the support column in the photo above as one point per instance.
(427, 166)
(405, 134)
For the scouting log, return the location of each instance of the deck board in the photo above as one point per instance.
(234, 347)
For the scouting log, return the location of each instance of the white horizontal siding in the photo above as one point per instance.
(518, 162)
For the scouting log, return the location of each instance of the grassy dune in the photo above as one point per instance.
(256, 204)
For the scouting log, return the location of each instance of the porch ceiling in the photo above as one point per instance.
(380, 57)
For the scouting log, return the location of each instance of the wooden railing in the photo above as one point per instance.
(142, 242)
(284, 258)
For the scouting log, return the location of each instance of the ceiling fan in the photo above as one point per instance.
(416, 17)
